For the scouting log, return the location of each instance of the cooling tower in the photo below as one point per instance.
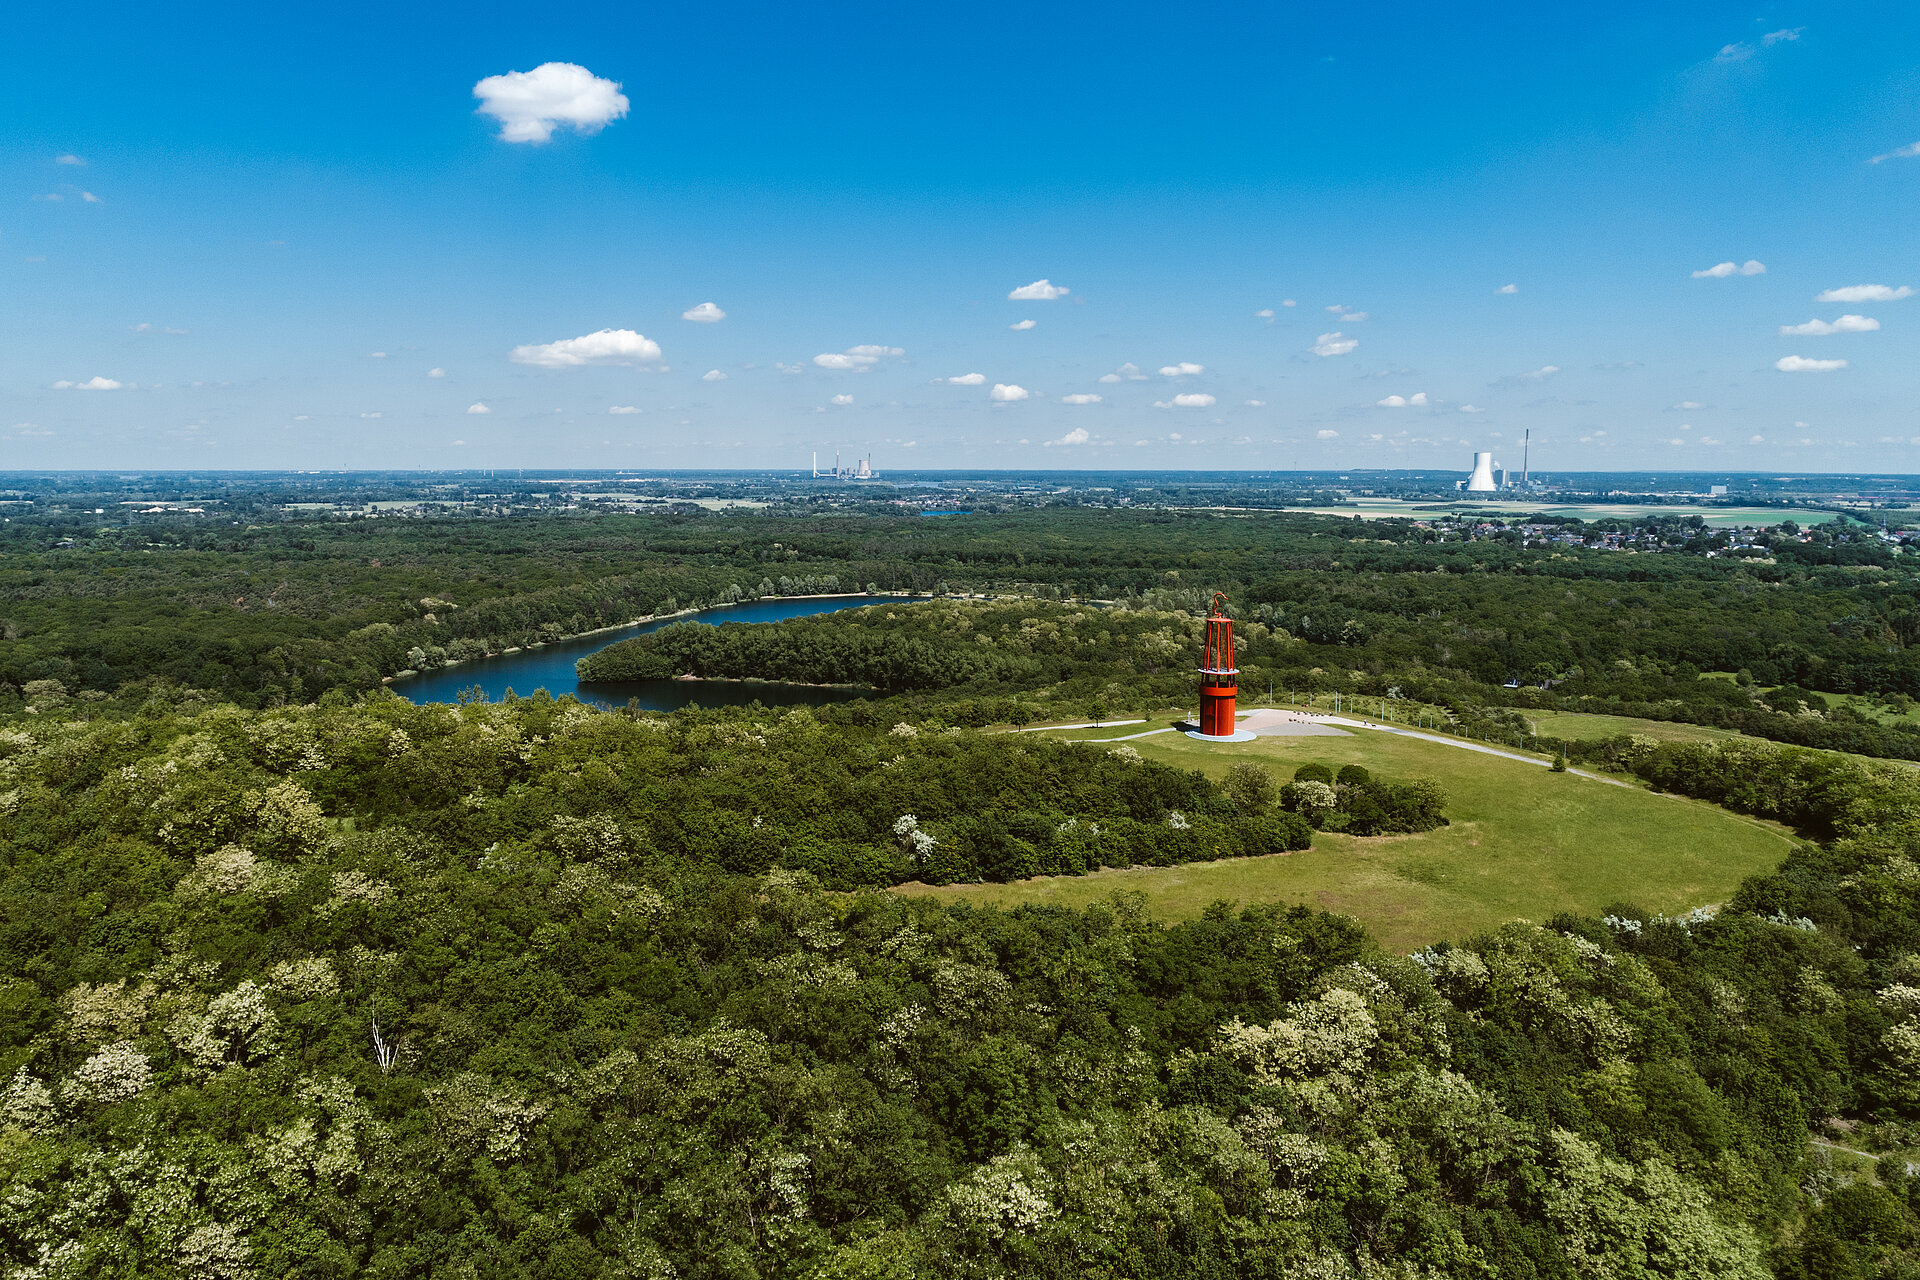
(1482, 479)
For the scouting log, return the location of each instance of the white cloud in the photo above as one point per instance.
(608, 346)
(1899, 153)
(1508, 288)
(1020, 326)
(856, 359)
(1690, 404)
(95, 383)
(843, 399)
(1471, 408)
(1256, 404)
(1756, 439)
(376, 355)
(1185, 369)
(1324, 434)
(1333, 344)
(530, 105)
(1007, 392)
(1800, 364)
(1288, 302)
(705, 313)
(1777, 37)
(1392, 402)
(619, 409)
(476, 407)
(968, 380)
(1039, 291)
(1080, 397)
(436, 373)
(89, 197)
(795, 367)
(459, 442)
(1337, 308)
(1079, 435)
(1191, 400)
(1721, 270)
(378, 414)
(1864, 293)
(1265, 313)
(1733, 53)
(69, 158)
(1818, 328)
(1353, 317)
(1541, 374)
(1128, 372)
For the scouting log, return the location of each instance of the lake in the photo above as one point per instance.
(550, 667)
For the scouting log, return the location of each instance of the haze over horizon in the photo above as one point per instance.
(1282, 238)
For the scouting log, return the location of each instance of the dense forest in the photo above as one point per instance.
(975, 662)
(530, 989)
(279, 613)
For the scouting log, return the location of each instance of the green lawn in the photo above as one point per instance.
(1524, 843)
(1578, 726)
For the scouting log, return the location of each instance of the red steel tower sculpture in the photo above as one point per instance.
(1219, 678)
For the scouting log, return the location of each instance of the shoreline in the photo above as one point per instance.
(659, 617)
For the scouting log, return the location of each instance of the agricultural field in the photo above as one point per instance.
(1580, 726)
(1523, 843)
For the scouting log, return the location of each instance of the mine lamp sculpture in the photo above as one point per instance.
(1219, 679)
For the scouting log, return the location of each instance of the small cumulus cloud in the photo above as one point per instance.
(713, 375)
(1801, 364)
(1079, 435)
(1541, 374)
(1185, 369)
(95, 383)
(89, 197)
(1352, 317)
(1021, 326)
(1080, 397)
(478, 408)
(1781, 36)
(856, 359)
(1256, 404)
(1819, 328)
(1864, 293)
(1007, 392)
(470, 409)
(1756, 439)
(436, 373)
(1288, 302)
(1265, 313)
(620, 409)
(376, 355)
(1416, 400)
(968, 380)
(1471, 408)
(1508, 288)
(1721, 270)
(1039, 291)
(1689, 404)
(1907, 152)
(530, 105)
(842, 399)
(608, 346)
(1333, 344)
(1128, 372)
(1326, 434)
(69, 158)
(1190, 400)
(705, 313)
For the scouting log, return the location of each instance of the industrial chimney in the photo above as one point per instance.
(1482, 479)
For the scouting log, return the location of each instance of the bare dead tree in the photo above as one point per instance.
(384, 1054)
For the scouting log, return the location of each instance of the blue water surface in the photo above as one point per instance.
(550, 667)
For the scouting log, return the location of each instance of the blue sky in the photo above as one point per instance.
(252, 203)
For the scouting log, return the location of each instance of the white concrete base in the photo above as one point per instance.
(1238, 735)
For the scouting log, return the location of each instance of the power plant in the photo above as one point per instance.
(861, 470)
(1482, 479)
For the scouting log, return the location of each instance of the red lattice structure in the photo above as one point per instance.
(1219, 678)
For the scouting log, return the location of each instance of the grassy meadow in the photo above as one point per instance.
(1523, 843)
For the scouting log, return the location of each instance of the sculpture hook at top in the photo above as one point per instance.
(1219, 604)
